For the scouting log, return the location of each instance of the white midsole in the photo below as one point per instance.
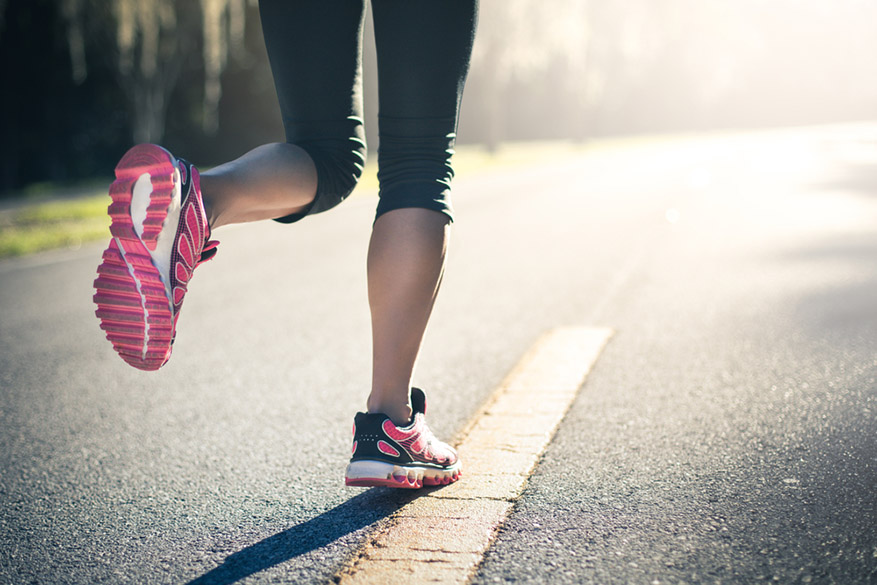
(367, 469)
(164, 244)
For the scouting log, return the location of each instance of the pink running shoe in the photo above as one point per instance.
(160, 234)
(402, 457)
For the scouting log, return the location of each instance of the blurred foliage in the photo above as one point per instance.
(38, 222)
(53, 224)
(20, 241)
(83, 79)
(61, 211)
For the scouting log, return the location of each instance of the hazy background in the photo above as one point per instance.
(83, 79)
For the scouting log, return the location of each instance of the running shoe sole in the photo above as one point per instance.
(366, 473)
(132, 302)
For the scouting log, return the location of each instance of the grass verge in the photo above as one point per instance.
(38, 226)
(69, 222)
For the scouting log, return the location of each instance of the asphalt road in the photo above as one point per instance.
(726, 434)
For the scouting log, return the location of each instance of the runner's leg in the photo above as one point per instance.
(315, 54)
(423, 56)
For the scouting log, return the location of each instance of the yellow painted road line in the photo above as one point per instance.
(442, 536)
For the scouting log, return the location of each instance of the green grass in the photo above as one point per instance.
(45, 225)
(39, 226)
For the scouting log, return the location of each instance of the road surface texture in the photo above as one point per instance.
(726, 433)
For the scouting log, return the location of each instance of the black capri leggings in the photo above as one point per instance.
(423, 50)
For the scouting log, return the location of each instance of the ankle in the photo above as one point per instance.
(400, 414)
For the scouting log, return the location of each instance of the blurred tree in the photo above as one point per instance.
(224, 24)
(153, 41)
(81, 78)
(72, 13)
(50, 127)
(516, 40)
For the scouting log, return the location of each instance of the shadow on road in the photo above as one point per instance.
(354, 514)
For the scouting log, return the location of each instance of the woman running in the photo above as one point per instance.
(164, 211)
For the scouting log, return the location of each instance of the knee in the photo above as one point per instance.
(415, 166)
(338, 151)
(339, 167)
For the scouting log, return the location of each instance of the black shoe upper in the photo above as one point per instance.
(369, 431)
